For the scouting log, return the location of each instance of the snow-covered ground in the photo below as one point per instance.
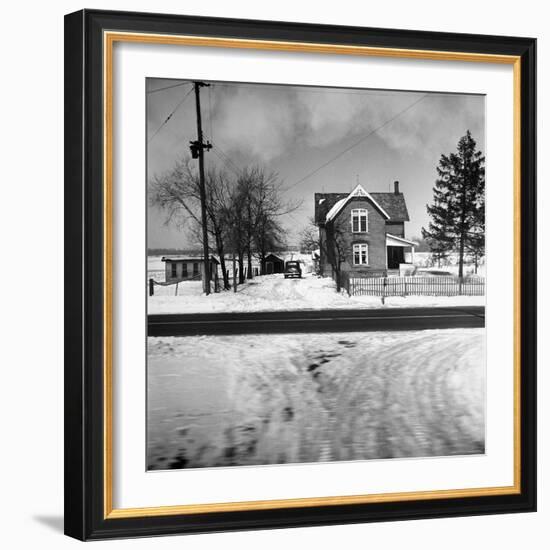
(275, 293)
(424, 260)
(267, 399)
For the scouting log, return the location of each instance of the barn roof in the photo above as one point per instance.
(187, 259)
(392, 203)
(276, 258)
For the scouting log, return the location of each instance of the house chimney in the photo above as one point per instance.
(396, 187)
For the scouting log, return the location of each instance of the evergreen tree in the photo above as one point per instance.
(458, 209)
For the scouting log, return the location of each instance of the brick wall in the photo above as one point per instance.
(396, 228)
(375, 238)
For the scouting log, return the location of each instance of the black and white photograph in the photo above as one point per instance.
(315, 277)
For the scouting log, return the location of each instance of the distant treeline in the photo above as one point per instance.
(173, 252)
(193, 251)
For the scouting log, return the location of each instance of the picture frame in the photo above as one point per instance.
(90, 158)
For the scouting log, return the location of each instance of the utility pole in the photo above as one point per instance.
(197, 151)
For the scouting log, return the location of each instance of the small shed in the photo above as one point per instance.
(273, 264)
(180, 268)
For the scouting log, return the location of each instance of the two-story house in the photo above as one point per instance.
(364, 231)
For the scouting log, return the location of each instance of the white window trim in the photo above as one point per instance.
(360, 211)
(358, 247)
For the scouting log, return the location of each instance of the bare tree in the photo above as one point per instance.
(177, 193)
(269, 207)
(236, 229)
(309, 238)
(331, 242)
(243, 212)
(256, 207)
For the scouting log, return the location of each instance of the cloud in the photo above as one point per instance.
(295, 130)
(257, 123)
(265, 122)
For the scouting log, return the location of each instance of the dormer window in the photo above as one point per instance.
(359, 220)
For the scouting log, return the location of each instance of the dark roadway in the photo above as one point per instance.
(418, 318)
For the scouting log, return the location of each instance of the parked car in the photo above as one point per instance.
(293, 269)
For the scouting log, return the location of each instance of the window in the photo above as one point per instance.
(359, 220)
(174, 267)
(195, 269)
(360, 254)
(184, 271)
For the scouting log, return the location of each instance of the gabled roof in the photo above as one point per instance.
(273, 256)
(357, 192)
(392, 203)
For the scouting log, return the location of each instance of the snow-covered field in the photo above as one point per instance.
(271, 399)
(275, 293)
(449, 265)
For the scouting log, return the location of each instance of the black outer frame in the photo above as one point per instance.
(84, 516)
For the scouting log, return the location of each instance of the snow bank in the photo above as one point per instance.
(275, 293)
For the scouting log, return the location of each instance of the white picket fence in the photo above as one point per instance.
(413, 286)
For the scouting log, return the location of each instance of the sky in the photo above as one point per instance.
(316, 139)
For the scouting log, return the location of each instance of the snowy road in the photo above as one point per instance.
(243, 400)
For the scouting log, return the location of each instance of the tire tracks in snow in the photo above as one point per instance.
(322, 397)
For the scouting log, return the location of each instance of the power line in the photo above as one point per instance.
(321, 90)
(170, 115)
(223, 156)
(223, 160)
(236, 168)
(324, 165)
(167, 87)
(228, 160)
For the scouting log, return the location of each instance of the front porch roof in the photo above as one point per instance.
(393, 240)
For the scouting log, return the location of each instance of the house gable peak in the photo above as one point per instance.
(359, 191)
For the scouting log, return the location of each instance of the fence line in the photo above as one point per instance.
(413, 286)
(153, 283)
